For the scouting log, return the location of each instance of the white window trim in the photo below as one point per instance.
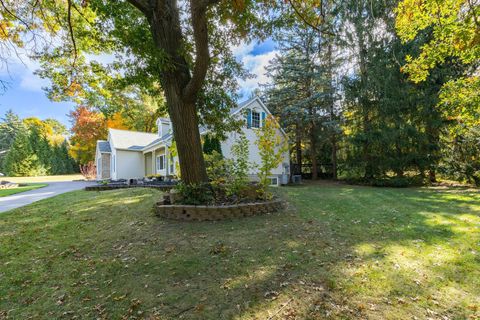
(274, 184)
(259, 119)
(160, 164)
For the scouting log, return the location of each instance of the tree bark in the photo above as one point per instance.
(181, 83)
(364, 100)
(298, 147)
(334, 157)
(331, 102)
(313, 145)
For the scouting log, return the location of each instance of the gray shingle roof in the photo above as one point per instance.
(131, 140)
(138, 141)
(103, 146)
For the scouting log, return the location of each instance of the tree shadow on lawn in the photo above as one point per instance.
(339, 252)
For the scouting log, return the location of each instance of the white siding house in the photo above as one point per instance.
(130, 154)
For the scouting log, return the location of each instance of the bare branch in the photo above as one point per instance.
(70, 29)
(308, 23)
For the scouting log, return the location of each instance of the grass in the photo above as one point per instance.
(339, 252)
(59, 178)
(9, 192)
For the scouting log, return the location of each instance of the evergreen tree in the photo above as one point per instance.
(211, 144)
(20, 160)
(41, 148)
(10, 126)
(302, 92)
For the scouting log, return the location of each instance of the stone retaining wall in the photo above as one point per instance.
(124, 186)
(212, 213)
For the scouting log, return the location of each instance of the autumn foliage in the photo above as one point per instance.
(88, 127)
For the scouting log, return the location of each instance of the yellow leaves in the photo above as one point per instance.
(73, 89)
(117, 122)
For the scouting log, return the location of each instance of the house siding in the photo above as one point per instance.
(250, 134)
(129, 164)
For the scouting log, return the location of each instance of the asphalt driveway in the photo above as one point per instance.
(53, 189)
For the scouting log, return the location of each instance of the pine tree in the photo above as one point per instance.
(211, 144)
(20, 160)
(302, 91)
(10, 126)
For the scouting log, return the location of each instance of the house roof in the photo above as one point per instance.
(131, 140)
(103, 146)
(141, 141)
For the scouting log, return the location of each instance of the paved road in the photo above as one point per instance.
(53, 189)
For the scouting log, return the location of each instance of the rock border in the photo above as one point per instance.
(125, 186)
(215, 213)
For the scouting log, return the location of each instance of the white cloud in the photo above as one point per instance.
(21, 70)
(256, 65)
(242, 49)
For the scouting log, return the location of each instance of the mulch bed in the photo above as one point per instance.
(124, 186)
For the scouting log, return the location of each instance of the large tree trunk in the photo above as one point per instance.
(187, 137)
(180, 83)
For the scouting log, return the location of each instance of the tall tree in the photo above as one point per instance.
(20, 160)
(87, 127)
(301, 91)
(10, 126)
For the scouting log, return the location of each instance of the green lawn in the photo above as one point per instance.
(339, 252)
(8, 192)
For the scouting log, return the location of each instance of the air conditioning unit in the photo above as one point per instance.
(297, 179)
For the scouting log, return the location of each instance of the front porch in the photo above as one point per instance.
(159, 161)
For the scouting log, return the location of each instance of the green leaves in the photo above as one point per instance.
(455, 32)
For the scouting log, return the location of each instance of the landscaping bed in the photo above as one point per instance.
(213, 213)
(103, 187)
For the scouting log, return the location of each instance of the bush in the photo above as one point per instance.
(196, 194)
(271, 149)
(89, 171)
(239, 166)
(390, 182)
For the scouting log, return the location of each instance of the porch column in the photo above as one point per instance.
(154, 163)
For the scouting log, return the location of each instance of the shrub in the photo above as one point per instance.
(271, 151)
(239, 165)
(218, 168)
(391, 182)
(195, 194)
(89, 171)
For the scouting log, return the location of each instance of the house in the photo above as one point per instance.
(130, 154)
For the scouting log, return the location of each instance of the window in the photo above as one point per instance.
(172, 164)
(160, 162)
(273, 181)
(255, 119)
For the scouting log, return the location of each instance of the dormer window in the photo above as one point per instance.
(255, 119)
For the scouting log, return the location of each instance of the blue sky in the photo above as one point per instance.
(26, 97)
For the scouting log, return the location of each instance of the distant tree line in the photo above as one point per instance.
(34, 147)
